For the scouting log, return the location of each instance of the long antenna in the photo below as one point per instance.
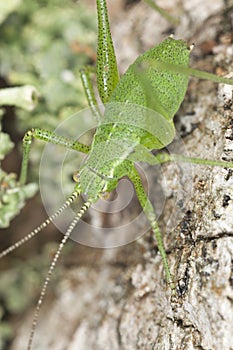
(78, 216)
(68, 202)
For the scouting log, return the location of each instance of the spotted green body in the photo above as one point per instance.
(114, 141)
(106, 68)
(167, 89)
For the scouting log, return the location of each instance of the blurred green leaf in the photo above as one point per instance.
(43, 44)
(6, 145)
(23, 96)
(6, 7)
(12, 196)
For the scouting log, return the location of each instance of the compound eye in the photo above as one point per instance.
(76, 176)
(191, 47)
(105, 195)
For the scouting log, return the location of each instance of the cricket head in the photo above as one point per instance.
(93, 184)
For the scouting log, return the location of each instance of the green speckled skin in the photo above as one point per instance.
(127, 122)
(169, 88)
(139, 111)
(114, 142)
(107, 72)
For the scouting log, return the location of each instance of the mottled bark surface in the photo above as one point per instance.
(118, 298)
